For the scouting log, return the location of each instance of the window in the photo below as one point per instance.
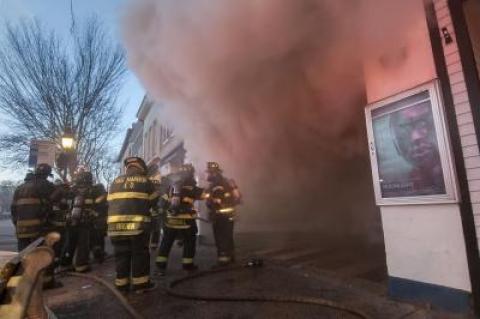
(154, 138)
(145, 146)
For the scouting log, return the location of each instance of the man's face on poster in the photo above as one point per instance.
(414, 132)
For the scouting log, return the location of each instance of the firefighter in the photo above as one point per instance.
(98, 231)
(84, 211)
(180, 219)
(57, 221)
(131, 200)
(163, 189)
(31, 206)
(222, 198)
(156, 216)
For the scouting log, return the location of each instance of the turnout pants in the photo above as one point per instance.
(223, 233)
(155, 233)
(97, 241)
(189, 237)
(79, 247)
(132, 260)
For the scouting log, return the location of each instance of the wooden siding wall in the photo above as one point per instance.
(463, 109)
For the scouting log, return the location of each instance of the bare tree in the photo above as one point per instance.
(105, 169)
(48, 85)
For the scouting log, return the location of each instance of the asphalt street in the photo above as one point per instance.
(8, 241)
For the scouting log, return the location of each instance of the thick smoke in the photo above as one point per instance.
(273, 90)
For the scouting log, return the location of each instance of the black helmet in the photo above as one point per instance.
(29, 177)
(135, 162)
(43, 170)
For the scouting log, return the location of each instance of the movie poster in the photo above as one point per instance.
(407, 149)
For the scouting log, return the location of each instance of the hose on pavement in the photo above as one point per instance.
(172, 291)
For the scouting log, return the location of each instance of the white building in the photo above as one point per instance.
(132, 143)
(162, 150)
(152, 139)
(431, 224)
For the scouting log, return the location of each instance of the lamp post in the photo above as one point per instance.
(67, 140)
(68, 146)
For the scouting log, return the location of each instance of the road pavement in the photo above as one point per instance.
(8, 241)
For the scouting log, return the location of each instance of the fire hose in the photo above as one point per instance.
(219, 298)
(123, 301)
(170, 290)
(252, 298)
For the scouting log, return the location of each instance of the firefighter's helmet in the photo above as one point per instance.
(135, 162)
(187, 169)
(213, 167)
(29, 177)
(43, 170)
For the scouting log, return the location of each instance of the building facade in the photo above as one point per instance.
(152, 138)
(132, 144)
(163, 151)
(424, 105)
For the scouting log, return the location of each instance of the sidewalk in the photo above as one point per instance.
(83, 299)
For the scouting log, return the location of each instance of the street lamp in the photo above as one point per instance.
(68, 156)
(67, 140)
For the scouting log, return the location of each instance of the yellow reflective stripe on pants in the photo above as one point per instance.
(81, 268)
(140, 280)
(28, 222)
(27, 201)
(124, 233)
(177, 226)
(224, 259)
(188, 200)
(226, 210)
(89, 201)
(121, 282)
(112, 218)
(127, 195)
(59, 224)
(182, 216)
(154, 195)
(100, 199)
(161, 259)
(28, 235)
(187, 261)
(14, 281)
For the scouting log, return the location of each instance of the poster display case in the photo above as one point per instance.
(409, 148)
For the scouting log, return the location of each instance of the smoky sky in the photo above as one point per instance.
(273, 90)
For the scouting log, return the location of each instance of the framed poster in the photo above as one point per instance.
(409, 149)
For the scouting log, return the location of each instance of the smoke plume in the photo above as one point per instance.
(272, 90)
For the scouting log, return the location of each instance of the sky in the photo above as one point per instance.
(56, 15)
